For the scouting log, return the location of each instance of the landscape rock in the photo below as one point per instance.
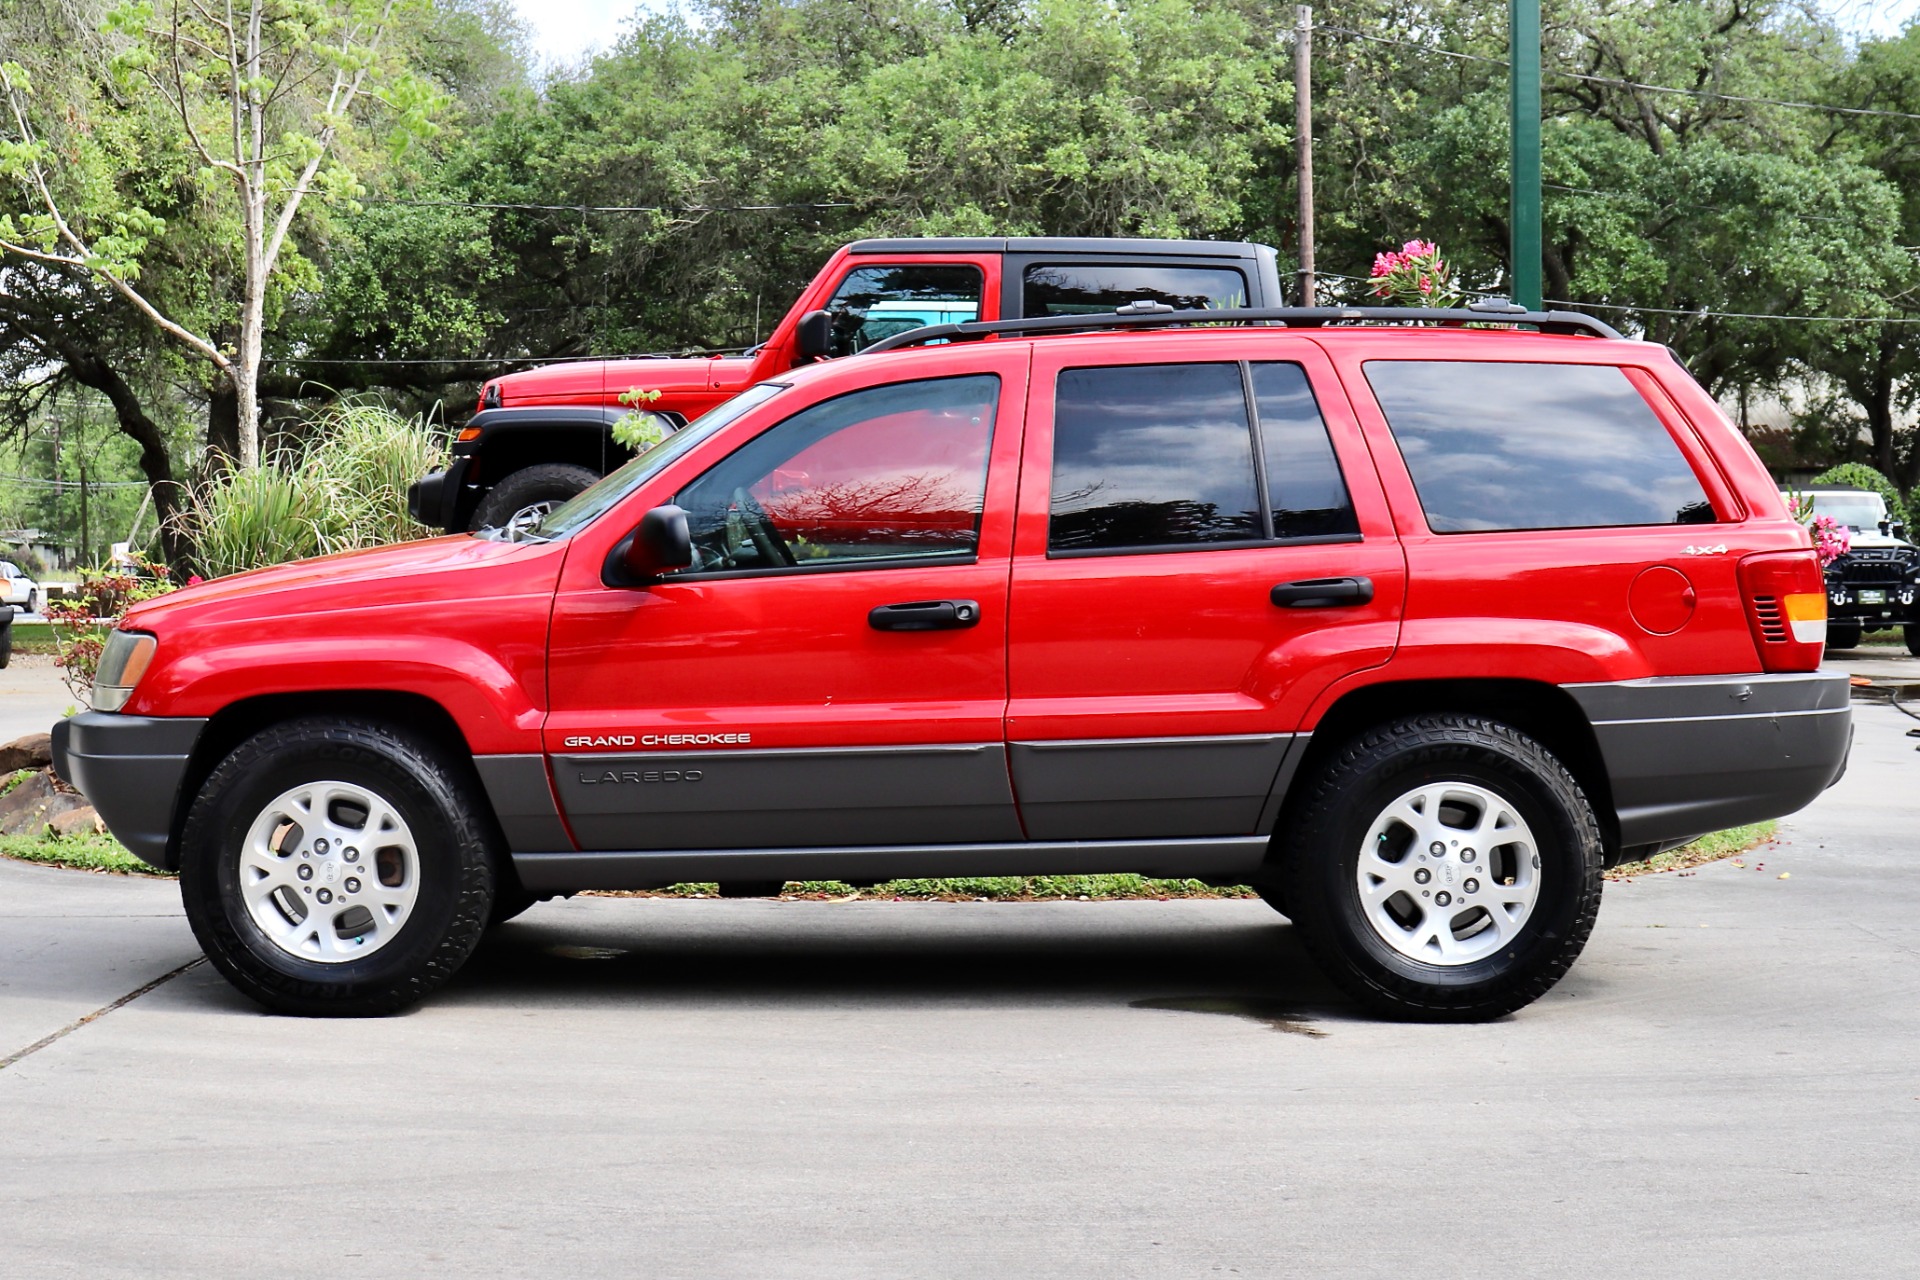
(30, 808)
(35, 751)
(81, 821)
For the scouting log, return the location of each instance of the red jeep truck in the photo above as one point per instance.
(544, 435)
(1413, 628)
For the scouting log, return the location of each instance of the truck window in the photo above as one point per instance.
(1087, 288)
(1152, 456)
(1305, 489)
(877, 302)
(1533, 446)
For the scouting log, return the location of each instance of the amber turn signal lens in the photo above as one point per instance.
(1805, 606)
(466, 434)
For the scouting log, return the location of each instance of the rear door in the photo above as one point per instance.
(1202, 548)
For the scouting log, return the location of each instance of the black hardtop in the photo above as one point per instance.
(1079, 245)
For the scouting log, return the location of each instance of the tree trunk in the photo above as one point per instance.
(246, 365)
(175, 546)
(223, 426)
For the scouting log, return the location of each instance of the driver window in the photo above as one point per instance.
(887, 474)
(877, 302)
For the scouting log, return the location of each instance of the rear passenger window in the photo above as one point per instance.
(1304, 485)
(1534, 446)
(1167, 457)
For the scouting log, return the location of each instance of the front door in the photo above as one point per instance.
(832, 670)
(1203, 548)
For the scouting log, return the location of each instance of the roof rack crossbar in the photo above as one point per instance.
(1291, 317)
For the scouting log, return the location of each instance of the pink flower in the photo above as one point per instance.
(194, 579)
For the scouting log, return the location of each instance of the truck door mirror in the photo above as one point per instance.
(660, 544)
(815, 335)
(1899, 529)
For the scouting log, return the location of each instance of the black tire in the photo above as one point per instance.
(1319, 853)
(6, 638)
(1911, 633)
(550, 483)
(33, 602)
(1843, 635)
(1274, 895)
(458, 846)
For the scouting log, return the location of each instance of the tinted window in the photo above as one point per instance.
(1304, 485)
(1152, 455)
(882, 474)
(1533, 446)
(1085, 289)
(877, 302)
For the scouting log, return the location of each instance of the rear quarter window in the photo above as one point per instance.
(1498, 445)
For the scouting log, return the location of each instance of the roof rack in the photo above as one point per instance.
(1158, 315)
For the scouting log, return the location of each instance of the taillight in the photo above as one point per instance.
(1786, 599)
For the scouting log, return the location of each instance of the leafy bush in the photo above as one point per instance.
(81, 622)
(347, 489)
(1862, 476)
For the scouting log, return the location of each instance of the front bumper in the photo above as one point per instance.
(1691, 754)
(129, 768)
(434, 499)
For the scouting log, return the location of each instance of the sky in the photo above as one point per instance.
(564, 31)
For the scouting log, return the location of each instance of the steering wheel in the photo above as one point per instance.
(760, 527)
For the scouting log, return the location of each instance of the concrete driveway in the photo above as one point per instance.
(1728, 1083)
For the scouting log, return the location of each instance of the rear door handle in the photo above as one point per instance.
(1323, 593)
(926, 615)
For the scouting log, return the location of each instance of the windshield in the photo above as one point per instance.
(1858, 511)
(590, 503)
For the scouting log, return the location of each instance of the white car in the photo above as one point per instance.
(17, 589)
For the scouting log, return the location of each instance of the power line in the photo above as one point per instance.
(1703, 313)
(611, 208)
(1437, 51)
(684, 353)
(1698, 312)
(44, 483)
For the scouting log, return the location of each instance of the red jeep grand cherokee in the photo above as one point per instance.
(1416, 629)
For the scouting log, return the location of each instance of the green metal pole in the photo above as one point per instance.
(1523, 47)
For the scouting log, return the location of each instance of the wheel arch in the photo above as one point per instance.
(233, 724)
(1544, 712)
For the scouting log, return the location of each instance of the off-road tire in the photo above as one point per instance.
(6, 636)
(1317, 851)
(1911, 633)
(551, 482)
(1844, 635)
(458, 848)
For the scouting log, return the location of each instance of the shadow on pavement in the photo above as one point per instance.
(1248, 967)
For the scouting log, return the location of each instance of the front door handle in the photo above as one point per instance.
(1323, 593)
(926, 615)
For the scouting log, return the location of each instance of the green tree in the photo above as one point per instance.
(266, 103)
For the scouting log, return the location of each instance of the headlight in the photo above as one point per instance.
(122, 663)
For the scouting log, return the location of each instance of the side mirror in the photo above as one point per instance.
(814, 337)
(661, 543)
(1899, 528)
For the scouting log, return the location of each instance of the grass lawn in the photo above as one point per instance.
(33, 637)
(103, 853)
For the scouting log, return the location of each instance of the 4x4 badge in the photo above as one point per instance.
(1708, 551)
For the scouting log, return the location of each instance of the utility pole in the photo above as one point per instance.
(1523, 49)
(1303, 140)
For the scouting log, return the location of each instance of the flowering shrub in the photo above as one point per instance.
(81, 622)
(1414, 275)
(1831, 538)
